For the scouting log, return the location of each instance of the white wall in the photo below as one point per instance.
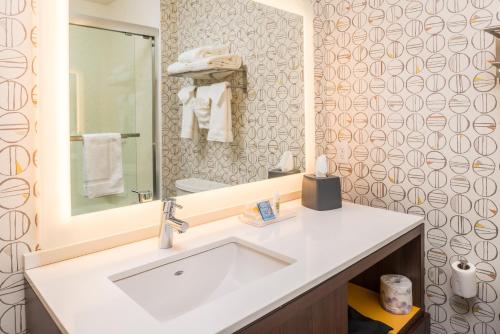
(141, 12)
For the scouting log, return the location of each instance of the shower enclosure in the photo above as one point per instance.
(112, 80)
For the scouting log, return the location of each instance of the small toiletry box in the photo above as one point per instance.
(321, 193)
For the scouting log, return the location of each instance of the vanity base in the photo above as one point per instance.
(323, 309)
(38, 319)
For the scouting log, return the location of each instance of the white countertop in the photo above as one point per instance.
(82, 298)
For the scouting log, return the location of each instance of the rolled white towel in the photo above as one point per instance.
(177, 68)
(227, 62)
(202, 52)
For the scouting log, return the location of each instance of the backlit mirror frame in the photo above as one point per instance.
(56, 226)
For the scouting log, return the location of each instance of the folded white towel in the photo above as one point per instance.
(202, 52)
(102, 165)
(221, 127)
(178, 67)
(227, 62)
(202, 106)
(188, 127)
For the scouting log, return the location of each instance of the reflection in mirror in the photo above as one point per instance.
(232, 98)
(112, 104)
(256, 52)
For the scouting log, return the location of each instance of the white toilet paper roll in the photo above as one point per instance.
(463, 280)
(396, 294)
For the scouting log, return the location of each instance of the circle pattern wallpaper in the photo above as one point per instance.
(418, 106)
(268, 118)
(17, 151)
(408, 83)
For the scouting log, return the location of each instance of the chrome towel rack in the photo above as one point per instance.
(124, 136)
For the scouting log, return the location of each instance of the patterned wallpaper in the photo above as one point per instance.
(409, 85)
(268, 120)
(18, 99)
(406, 82)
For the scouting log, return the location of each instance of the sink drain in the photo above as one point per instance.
(179, 273)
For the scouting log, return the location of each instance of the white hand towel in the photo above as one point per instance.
(202, 52)
(221, 125)
(102, 165)
(188, 127)
(202, 106)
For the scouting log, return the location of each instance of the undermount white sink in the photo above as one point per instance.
(182, 283)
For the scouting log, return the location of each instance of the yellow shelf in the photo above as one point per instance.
(367, 303)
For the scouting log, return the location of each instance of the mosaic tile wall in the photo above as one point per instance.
(409, 84)
(18, 97)
(268, 120)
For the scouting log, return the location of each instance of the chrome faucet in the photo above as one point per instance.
(169, 223)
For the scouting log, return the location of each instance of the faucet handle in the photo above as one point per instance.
(173, 200)
(169, 205)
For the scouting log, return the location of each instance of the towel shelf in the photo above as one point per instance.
(124, 136)
(216, 74)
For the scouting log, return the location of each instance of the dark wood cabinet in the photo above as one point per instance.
(323, 309)
(38, 319)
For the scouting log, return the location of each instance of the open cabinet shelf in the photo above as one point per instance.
(367, 302)
(324, 308)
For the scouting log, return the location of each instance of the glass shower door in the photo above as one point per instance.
(111, 91)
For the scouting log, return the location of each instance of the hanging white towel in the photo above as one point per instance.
(188, 127)
(221, 127)
(202, 106)
(202, 52)
(102, 165)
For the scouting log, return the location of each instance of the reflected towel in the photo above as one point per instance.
(102, 165)
(221, 126)
(202, 52)
(188, 127)
(202, 106)
(226, 62)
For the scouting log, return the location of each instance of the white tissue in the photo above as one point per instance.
(463, 282)
(321, 166)
(286, 162)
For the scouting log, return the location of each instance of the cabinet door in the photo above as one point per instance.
(38, 320)
(319, 311)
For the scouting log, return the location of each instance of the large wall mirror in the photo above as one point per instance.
(170, 98)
